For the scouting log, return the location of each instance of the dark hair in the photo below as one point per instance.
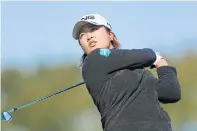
(82, 59)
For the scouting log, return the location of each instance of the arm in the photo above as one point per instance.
(117, 59)
(168, 87)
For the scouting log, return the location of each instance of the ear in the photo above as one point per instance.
(111, 35)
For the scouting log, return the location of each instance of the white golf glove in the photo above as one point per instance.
(158, 57)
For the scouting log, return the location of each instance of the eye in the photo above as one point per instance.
(81, 35)
(94, 28)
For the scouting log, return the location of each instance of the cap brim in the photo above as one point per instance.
(77, 28)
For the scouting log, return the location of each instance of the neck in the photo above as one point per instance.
(111, 46)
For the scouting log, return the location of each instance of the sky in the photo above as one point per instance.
(35, 33)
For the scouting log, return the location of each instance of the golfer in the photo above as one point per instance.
(126, 94)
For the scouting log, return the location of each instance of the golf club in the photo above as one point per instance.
(7, 117)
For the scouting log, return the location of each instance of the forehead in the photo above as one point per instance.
(86, 27)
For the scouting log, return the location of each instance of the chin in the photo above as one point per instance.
(93, 48)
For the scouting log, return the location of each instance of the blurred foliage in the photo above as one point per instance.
(64, 112)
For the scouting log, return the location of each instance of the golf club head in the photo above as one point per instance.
(6, 117)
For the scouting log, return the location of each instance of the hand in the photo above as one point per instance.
(160, 61)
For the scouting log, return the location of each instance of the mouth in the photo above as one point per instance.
(92, 43)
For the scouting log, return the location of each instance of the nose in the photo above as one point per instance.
(89, 36)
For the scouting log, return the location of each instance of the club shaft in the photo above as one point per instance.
(43, 98)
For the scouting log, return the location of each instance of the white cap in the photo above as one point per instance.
(95, 19)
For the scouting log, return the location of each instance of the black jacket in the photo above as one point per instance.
(126, 94)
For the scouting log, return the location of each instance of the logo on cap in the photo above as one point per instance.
(88, 17)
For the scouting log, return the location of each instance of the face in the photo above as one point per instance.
(93, 36)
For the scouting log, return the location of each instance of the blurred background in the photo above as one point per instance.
(39, 56)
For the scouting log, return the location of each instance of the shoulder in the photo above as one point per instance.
(96, 61)
(97, 56)
(99, 53)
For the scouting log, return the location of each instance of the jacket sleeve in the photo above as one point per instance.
(111, 60)
(168, 87)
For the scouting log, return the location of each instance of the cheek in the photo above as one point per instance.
(105, 41)
(103, 38)
(83, 45)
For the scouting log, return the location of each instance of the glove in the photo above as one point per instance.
(158, 57)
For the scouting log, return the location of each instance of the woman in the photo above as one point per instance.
(126, 94)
